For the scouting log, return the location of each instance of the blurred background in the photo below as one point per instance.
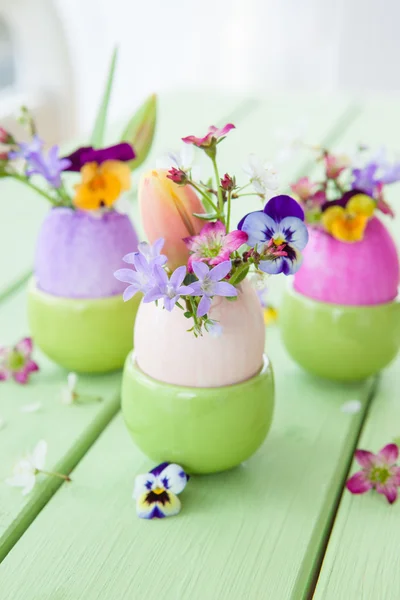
(54, 54)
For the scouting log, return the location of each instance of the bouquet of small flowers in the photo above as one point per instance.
(105, 173)
(349, 193)
(212, 259)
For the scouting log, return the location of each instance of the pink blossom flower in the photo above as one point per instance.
(211, 137)
(16, 361)
(213, 245)
(177, 176)
(304, 188)
(5, 137)
(379, 472)
(227, 182)
(334, 165)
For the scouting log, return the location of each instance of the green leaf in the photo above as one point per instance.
(140, 130)
(97, 137)
(239, 276)
(187, 314)
(231, 298)
(206, 216)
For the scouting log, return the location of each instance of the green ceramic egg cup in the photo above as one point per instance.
(87, 336)
(342, 343)
(205, 430)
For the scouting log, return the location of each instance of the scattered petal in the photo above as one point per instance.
(351, 407)
(31, 408)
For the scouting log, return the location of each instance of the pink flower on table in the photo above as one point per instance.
(211, 137)
(213, 245)
(379, 472)
(334, 165)
(16, 361)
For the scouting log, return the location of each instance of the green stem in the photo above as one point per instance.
(251, 194)
(207, 198)
(55, 474)
(228, 216)
(242, 188)
(37, 189)
(219, 191)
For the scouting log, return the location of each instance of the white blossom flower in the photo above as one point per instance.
(180, 159)
(31, 408)
(68, 393)
(263, 176)
(28, 467)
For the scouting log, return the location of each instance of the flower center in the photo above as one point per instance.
(97, 183)
(207, 285)
(379, 475)
(211, 248)
(170, 291)
(16, 361)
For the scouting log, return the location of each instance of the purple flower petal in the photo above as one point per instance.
(196, 289)
(178, 276)
(185, 290)
(130, 291)
(160, 276)
(31, 366)
(123, 152)
(389, 454)
(294, 232)
(283, 206)
(204, 306)
(259, 227)
(220, 271)
(359, 483)
(273, 267)
(224, 288)
(127, 276)
(153, 295)
(200, 270)
(173, 478)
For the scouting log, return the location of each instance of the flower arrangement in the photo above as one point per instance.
(349, 194)
(105, 173)
(195, 256)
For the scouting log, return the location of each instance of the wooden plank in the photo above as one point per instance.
(361, 558)
(254, 532)
(69, 430)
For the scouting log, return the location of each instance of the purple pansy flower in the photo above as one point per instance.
(168, 289)
(213, 245)
(16, 361)
(151, 252)
(209, 284)
(379, 472)
(141, 280)
(123, 152)
(156, 492)
(280, 225)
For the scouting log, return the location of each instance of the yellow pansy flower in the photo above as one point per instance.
(348, 223)
(101, 185)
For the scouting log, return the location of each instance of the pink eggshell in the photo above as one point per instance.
(356, 274)
(167, 352)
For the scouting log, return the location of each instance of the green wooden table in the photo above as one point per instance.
(281, 526)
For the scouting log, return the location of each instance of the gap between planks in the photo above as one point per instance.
(316, 570)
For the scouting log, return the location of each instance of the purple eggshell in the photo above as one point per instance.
(77, 254)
